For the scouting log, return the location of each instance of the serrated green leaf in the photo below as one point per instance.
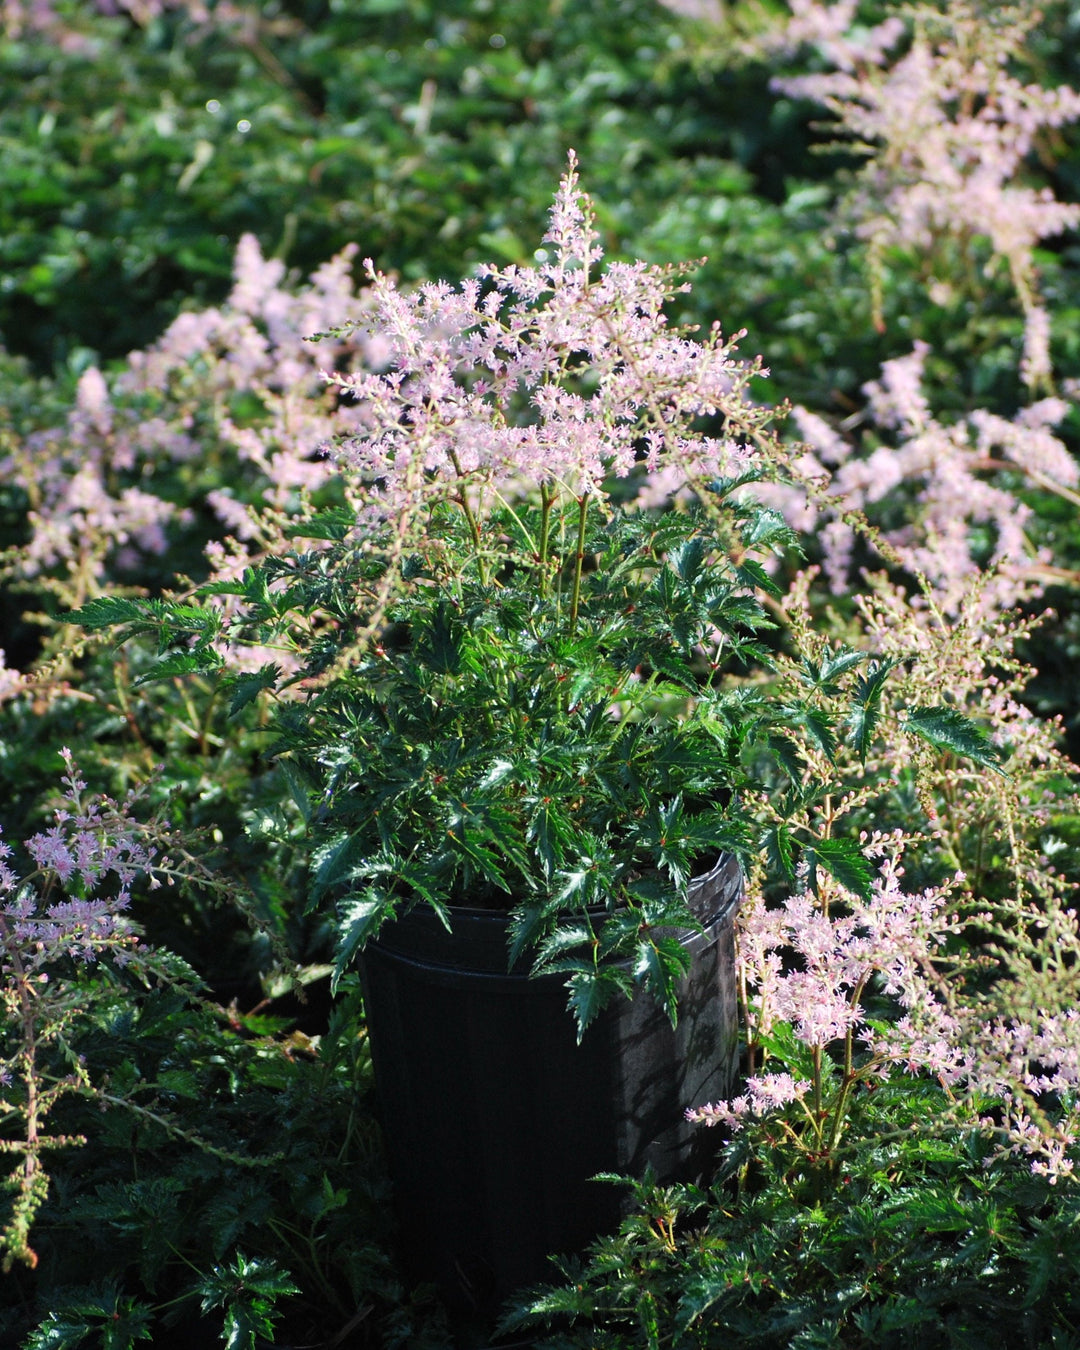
(412, 567)
(862, 723)
(787, 753)
(460, 841)
(780, 850)
(438, 645)
(332, 863)
(751, 573)
(247, 1290)
(499, 771)
(297, 788)
(780, 1042)
(839, 662)
(526, 925)
(866, 714)
(817, 726)
(767, 528)
(649, 1319)
(248, 686)
(359, 917)
(181, 1083)
(199, 662)
(590, 991)
(950, 729)
(549, 830)
(105, 611)
(59, 1331)
(333, 524)
(686, 560)
(661, 962)
(568, 937)
(845, 862)
(118, 1323)
(225, 586)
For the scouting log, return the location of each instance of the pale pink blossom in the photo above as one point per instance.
(947, 126)
(764, 1093)
(485, 385)
(12, 682)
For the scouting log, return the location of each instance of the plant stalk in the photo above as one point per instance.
(579, 559)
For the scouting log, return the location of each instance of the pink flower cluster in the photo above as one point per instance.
(12, 682)
(945, 472)
(894, 936)
(90, 856)
(808, 967)
(174, 405)
(70, 911)
(947, 127)
(764, 1093)
(228, 404)
(558, 374)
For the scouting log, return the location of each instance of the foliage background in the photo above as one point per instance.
(138, 144)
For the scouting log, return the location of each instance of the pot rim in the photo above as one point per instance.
(477, 939)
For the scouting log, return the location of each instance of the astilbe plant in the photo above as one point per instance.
(931, 96)
(958, 481)
(68, 912)
(477, 510)
(551, 379)
(201, 442)
(518, 688)
(807, 967)
(190, 458)
(978, 963)
(67, 944)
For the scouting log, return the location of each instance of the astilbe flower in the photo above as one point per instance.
(943, 470)
(764, 1093)
(808, 965)
(558, 375)
(893, 935)
(947, 127)
(102, 487)
(1028, 1069)
(71, 908)
(12, 682)
(90, 856)
(173, 403)
(973, 653)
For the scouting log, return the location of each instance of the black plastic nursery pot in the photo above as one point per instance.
(496, 1120)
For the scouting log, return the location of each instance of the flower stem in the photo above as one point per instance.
(579, 559)
(470, 516)
(547, 497)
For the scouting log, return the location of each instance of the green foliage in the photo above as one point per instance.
(417, 129)
(248, 1291)
(431, 133)
(490, 753)
(915, 1243)
(572, 752)
(118, 1324)
(210, 1225)
(949, 729)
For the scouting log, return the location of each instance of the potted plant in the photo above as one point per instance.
(529, 722)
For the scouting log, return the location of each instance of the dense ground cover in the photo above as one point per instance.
(885, 197)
